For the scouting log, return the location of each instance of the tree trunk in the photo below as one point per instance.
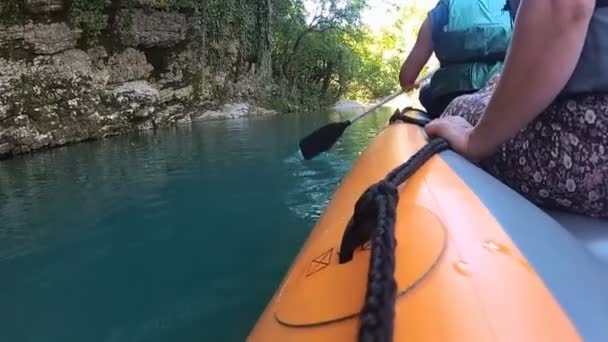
(329, 70)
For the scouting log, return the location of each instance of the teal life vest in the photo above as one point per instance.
(591, 72)
(472, 47)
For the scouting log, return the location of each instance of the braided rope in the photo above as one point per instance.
(382, 198)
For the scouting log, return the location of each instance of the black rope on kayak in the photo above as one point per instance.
(374, 220)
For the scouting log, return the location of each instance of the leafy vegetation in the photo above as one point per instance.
(88, 15)
(329, 54)
(380, 54)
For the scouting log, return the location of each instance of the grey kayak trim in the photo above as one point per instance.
(592, 232)
(577, 279)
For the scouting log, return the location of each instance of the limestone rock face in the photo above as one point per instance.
(137, 91)
(44, 6)
(152, 28)
(146, 69)
(128, 65)
(235, 110)
(42, 39)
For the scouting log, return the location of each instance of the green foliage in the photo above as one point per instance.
(312, 58)
(174, 5)
(227, 20)
(374, 76)
(163, 4)
(315, 58)
(88, 16)
(328, 54)
(381, 54)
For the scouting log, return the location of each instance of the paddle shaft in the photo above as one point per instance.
(382, 103)
(392, 97)
(325, 137)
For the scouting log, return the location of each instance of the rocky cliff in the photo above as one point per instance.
(76, 70)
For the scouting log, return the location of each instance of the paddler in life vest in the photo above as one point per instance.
(470, 39)
(542, 128)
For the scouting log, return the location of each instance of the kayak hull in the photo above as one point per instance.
(469, 266)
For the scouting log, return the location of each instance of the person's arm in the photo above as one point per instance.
(418, 57)
(547, 42)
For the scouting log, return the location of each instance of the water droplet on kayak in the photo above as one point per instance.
(526, 265)
(496, 247)
(462, 267)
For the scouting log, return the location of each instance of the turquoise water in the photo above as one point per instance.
(177, 235)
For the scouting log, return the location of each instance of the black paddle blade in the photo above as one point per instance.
(322, 139)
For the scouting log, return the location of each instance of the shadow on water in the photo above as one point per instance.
(181, 234)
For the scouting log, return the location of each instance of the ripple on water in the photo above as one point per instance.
(316, 181)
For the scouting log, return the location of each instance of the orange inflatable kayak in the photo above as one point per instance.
(474, 261)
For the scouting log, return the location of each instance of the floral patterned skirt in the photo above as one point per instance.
(560, 160)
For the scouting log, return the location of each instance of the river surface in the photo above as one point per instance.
(182, 234)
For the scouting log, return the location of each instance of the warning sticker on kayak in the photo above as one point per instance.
(320, 262)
